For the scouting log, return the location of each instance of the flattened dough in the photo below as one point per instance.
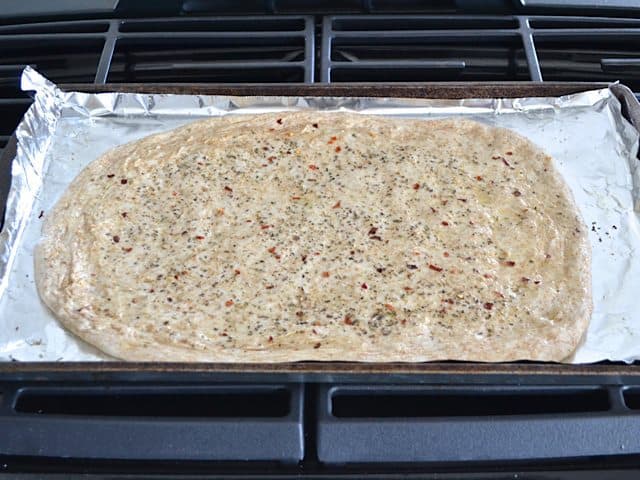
(320, 236)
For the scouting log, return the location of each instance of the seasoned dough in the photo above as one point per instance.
(320, 236)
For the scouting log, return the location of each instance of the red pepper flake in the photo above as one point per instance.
(516, 193)
(111, 175)
(446, 254)
(525, 279)
(175, 194)
(270, 339)
(435, 267)
(317, 345)
(279, 121)
(337, 204)
(313, 167)
(348, 320)
(116, 238)
(447, 300)
(325, 274)
(264, 227)
(124, 214)
(124, 181)
(446, 224)
(389, 307)
(433, 210)
(151, 290)
(333, 139)
(317, 254)
(169, 299)
(338, 149)
(498, 294)
(375, 237)
(509, 153)
(547, 256)
(508, 263)
(271, 159)
(228, 303)
(379, 269)
(314, 125)
(304, 259)
(496, 157)
(416, 186)
(199, 237)
(127, 249)
(537, 282)
(41, 214)
(299, 314)
(403, 321)
(487, 275)
(220, 213)
(228, 189)
(464, 200)
(479, 177)
(506, 163)
(364, 286)
(269, 287)
(265, 148)
(224, 334)
(271, 250)
(410, 266)
(488, 305)
(236, 271)
(373, 230)
(407, 289)
(295, 198)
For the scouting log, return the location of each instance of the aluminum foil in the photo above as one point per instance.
(593, 145)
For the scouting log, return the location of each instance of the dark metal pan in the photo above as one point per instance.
(450, 372)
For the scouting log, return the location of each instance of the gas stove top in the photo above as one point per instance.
(447, 426)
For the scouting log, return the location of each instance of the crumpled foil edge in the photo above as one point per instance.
(28, 167)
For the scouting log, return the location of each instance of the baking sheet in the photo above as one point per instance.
(593, 145)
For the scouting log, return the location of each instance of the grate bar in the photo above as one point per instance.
(325, 49)
(102, 72)
(214, 65)
(310, 50)
(530, 50)
(434, 64)
(617, 65)
(384, 36)
(587, 34)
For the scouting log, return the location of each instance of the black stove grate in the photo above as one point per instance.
(327, 48)
(477, 48)
(250, 49)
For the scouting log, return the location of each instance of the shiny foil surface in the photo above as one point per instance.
(594, 148)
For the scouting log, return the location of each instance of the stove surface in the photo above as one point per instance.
(177, 425)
